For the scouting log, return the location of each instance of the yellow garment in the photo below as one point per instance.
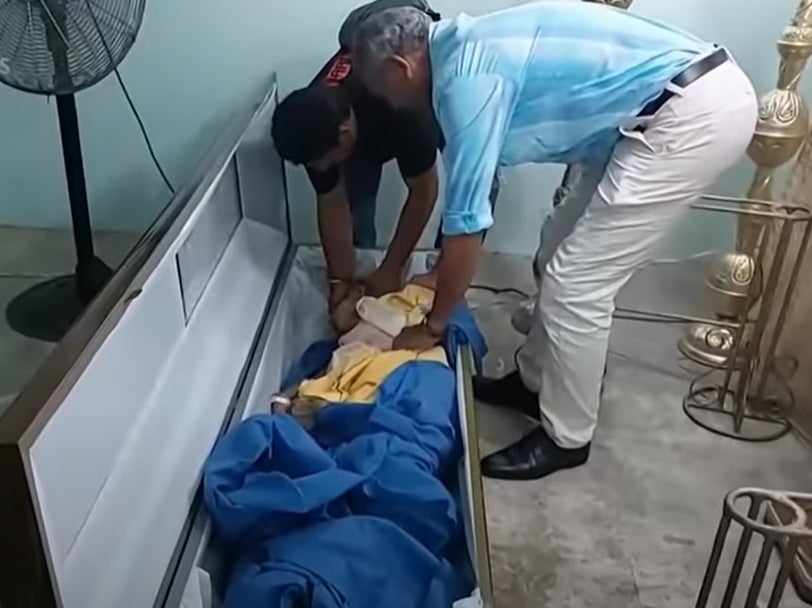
(414, 300)
(357, 370)
(356, 376)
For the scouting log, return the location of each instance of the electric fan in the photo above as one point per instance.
(59, 47)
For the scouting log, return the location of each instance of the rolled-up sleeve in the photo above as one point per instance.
(474, 113)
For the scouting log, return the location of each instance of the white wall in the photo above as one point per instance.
(196, 61)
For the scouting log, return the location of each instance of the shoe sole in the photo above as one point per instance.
(528, 477)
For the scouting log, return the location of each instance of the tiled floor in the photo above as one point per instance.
(28, 257)
(632, 528)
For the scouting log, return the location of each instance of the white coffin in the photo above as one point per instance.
(223, 303)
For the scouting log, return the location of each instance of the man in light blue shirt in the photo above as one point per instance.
(661, 112)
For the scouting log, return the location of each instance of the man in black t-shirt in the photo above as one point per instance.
(343, 136)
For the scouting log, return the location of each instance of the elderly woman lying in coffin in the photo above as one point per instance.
(364, 354)
(370, 482)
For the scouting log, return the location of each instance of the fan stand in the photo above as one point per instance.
(46, 311)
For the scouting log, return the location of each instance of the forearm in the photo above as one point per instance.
(455, 271)
(474, 114)
(335, 231)
(413, 219)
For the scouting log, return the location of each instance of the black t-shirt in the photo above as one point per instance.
(384, 133)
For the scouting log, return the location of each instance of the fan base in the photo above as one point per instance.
(48, 310)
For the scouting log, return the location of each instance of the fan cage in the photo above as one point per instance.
(58, 47)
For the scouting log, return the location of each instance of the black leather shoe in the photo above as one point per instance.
(508, 392)
(532, 457)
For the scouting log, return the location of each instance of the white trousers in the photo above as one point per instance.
(589, 251)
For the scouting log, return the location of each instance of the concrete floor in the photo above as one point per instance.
(633, 528)
(28, 257)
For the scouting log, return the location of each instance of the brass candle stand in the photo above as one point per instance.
(782, 126)
(740, 396)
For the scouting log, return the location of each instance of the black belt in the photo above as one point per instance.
(691, 74)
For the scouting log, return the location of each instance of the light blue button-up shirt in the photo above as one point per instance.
(548, 81)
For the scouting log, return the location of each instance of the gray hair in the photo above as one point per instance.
(395, 31)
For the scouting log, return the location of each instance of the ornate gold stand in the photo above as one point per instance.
(753, 284)
(753, 287)
(736, 393)
(782, 126)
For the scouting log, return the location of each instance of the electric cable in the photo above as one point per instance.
(625, 314)
(130, 101)
(781, 383)
(143, 130)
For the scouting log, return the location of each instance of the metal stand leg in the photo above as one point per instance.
(46, 311)
(786, 532)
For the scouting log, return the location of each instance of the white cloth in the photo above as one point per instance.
(198, 591)
(385, 317)
(382, 319)
(650, 180)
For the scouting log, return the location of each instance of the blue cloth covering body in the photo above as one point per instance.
(355, 513)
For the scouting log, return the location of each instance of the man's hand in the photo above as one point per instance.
(343, 317)
(386, 279)
(413, 218)
(343, 298)
(335, 230)
(417, 338)
(427, 280)
(339, 291)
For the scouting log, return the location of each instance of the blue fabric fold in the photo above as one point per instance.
(312, 363)
(358, 562)
(463, 330)
(401, 445)
(268, 476)
(353, 515)
(416, 403)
